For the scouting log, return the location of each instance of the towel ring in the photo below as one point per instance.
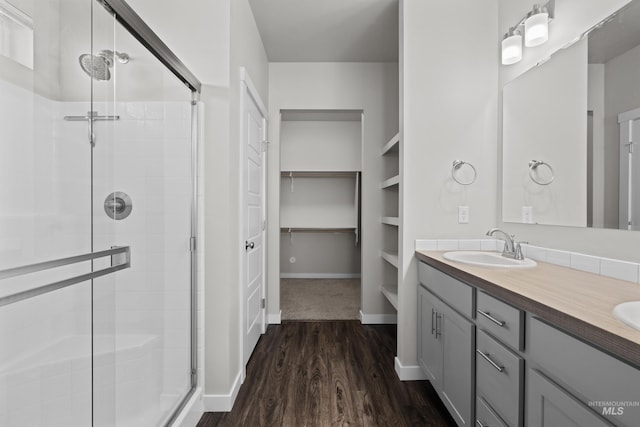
(457, 164)
(533, 164)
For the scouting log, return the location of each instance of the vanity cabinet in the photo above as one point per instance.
(499, 366)
(485, 416)
(445, 353)
(507, 367)
(584, 373)
(548, 405)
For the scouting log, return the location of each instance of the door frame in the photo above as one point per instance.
(247, 88)
(625, 123)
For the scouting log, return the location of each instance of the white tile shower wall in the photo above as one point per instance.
(42, 217)
(616, 269)
(146, 154)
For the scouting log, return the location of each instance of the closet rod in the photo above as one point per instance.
(316, 230)
(319, 174)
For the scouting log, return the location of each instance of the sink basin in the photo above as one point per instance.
(629, 313)
(488, 259)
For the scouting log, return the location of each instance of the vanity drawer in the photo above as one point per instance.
(499, 378)
(485, 417)
(455, 293)
(501, 320)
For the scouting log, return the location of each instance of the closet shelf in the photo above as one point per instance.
(391, 220)
(318, 174)
(317, 229)
(390, 257)
(392, 145)
(395, 180)
(391, 293)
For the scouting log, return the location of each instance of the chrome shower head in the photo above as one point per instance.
(97, 66)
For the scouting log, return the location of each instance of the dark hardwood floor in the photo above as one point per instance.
(332, 373)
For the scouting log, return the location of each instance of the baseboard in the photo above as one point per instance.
(192, 411)
(378, 319)
(223, 402)
(409, 373)
(319, 275)
(274, 319)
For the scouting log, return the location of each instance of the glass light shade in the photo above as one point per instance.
(536, 29)
(512, 48)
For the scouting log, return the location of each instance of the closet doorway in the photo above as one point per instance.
(320, 176)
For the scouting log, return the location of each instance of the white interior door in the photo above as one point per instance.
(630, 170)
(254, 135)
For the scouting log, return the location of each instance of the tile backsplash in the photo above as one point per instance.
(613, 268)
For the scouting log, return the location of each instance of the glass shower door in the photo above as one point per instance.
(45, 219)
(142, 198)
(95, 171)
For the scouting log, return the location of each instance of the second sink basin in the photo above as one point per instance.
(488, 259)
(628, 313)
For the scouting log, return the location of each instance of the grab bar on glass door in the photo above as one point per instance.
(117, 263)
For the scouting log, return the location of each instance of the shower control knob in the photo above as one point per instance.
(118, 205)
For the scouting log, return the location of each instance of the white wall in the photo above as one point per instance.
(572, 18)
(370, 87)
(448, 112)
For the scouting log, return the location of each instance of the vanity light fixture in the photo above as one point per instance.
(535, 25)
(512, 47)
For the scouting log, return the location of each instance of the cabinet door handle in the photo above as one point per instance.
(433, 327)
(491, 362)
(490, 317)
(438, 325)
(480, 423)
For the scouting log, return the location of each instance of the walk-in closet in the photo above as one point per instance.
(320, 173)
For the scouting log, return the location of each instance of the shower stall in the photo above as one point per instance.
(98, 218)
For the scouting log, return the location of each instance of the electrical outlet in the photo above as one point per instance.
(527, 214)
(463, 214)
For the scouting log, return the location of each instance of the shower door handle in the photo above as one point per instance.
(120, 259)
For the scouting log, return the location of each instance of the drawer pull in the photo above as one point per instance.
(438, 325)
(491, 362)
(493, 319)
(480, 424)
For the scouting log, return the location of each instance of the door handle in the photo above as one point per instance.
(248, 245)
(433, 326)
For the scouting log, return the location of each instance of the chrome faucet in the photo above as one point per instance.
(512, 248)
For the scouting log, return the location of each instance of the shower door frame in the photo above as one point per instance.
(135, 25)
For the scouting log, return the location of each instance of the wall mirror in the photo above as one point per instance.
(571, 132)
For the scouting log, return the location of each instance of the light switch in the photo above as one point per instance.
(463, 214)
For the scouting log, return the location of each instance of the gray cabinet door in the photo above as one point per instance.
(458, 365)
(429, 345)
(550, 406)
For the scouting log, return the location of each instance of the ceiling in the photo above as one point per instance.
(617, 36)
(328, 30)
